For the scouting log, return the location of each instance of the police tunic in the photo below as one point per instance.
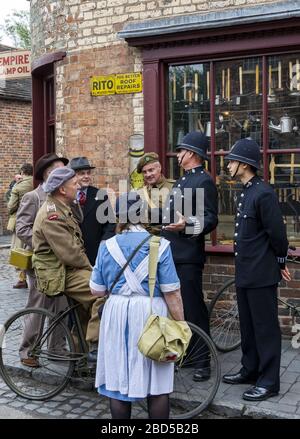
(260, 242)
(188, 246)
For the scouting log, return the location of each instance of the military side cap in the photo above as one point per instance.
(146, 159)
(57, 177)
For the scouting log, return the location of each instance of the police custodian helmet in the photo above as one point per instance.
(245, 151)
(195, 142)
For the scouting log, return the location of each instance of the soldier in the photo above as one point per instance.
(260, 246)
(156, 189)
(188, 249)
(57, 237)
(27, 212)
(24, 185)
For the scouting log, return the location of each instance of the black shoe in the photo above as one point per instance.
(237, 378)
(202, 374)
(258, 394)
(92, 356)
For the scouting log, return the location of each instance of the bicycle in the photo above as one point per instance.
(58, 366)
(224, 316)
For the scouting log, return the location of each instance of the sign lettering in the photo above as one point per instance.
(116, 84)
(15, 64)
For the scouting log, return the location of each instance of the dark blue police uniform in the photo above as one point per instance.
(260, 247)
(188, 249)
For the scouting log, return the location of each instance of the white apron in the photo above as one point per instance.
(120, 365)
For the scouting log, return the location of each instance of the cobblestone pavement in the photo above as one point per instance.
(82, 404)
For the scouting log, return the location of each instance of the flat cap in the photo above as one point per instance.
(146, 159)
(57, 177)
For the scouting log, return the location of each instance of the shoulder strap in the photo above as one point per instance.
(153, 261)
(127, 263)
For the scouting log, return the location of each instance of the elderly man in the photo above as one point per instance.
(27, 212)
(155, 191)
(57, 238)
(150, 167)
(93, 232)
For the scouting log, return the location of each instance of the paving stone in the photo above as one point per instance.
(277, 407)
(295, 388)
(289, 377)
(294, 366)
(78, 410)
(291, 398)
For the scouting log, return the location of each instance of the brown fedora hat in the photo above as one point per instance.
(44, 162)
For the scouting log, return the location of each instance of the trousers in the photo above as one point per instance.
(260, 335)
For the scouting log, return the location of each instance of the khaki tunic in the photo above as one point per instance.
(56, 231)
(155, 196)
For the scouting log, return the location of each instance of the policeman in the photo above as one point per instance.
(59, 259)
(260, 249)
(187, 234)
(155, 191)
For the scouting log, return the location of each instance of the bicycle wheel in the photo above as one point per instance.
(51, 346)
(190, 397)
(224, 318)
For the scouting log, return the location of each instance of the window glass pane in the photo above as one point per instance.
(285, 178)
(189, 105)
(238, 114)
(284, 101)
(238, 101)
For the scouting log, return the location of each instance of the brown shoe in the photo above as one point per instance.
(30, 362)
(21, 284)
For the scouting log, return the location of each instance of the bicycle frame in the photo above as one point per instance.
(72, 310)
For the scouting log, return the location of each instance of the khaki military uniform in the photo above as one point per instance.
(155, 196)
(57, 233)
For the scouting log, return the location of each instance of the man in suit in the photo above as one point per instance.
(92, 230)
(260, 250)
(187, 235)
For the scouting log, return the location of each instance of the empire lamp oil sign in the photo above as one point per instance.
(116, 84)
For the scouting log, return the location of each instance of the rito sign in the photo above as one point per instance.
(15, 64)
(116, 84)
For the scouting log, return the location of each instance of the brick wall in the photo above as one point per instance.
(219, 269)
(78, 24)
(15, 146)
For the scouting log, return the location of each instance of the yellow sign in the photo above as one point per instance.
(128, 83)
(119, 84)
(102, 85)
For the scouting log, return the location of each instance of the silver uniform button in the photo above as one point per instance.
(240, 204)
(236, 253)
(202, 172)
(183, 178)
(178, 185)
(167, 208)
(193, 171)
(236, 224)
(235, 234)
(238, 214)
(245, 216)
(242, 195)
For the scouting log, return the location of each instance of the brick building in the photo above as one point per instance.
(15, 133)
(229, 68)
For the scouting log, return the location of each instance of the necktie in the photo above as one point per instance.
(82, 198)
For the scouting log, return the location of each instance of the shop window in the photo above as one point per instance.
(254, 97)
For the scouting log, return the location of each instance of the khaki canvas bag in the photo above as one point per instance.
(163, 339)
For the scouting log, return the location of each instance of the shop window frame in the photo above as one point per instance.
(260, 40)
